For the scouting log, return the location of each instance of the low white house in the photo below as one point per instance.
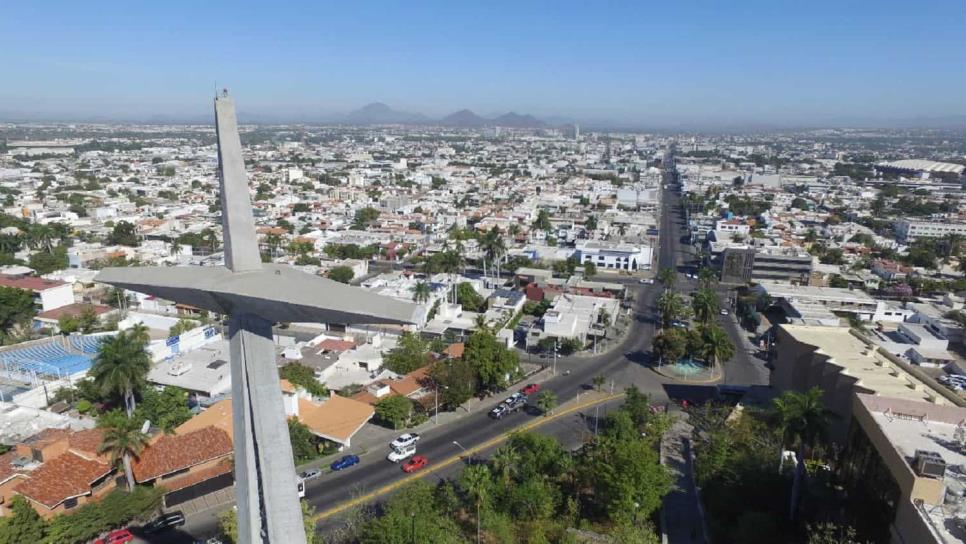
(614, 256)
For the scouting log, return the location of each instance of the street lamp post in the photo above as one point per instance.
(458, 445)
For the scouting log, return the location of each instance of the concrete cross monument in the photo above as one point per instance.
(253, 296)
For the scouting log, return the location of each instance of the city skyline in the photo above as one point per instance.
(620, 65)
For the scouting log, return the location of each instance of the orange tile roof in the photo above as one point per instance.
(287, 386)
(29, 283)
(217, 415)
(193, 478)
(455, 351)
(337, 418)
(87, 442)
(410, 383)
(177, 452)
(7, 470)
(68, 475)
(331, 344)
(74, 309)
(46, 437)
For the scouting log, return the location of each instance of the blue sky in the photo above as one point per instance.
(644, 62)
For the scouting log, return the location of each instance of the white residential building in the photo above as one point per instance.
(614, 256)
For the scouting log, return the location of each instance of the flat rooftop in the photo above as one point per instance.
(204, 370)
(830, 294)
(873, 370)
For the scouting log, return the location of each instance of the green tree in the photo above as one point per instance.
(123, 440)
(68, 324)
(468, 298)
(716, 347)
(123, 234)
(591, 223)
(667, 277)
(304, 377)
(341, 274)
(44, 262)
(304, 443)
(412, 515)
(804, 419)
(87, 320)
(457, 381)
(505, 462)
(705, 305)
(542, 222)
(547, 401)
(599, 381)
(364, 217)
(16, 308)
(493, 362)
(627, 477)
(590, 270)
(122, 364)
(421, 292)
(475, 480)
(394, 410)
(182, 326)
(670, 345)
(671, 307)
(707, 277)
(23, 524)
(411, 352)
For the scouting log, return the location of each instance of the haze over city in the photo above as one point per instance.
(497, 273)
(625, 64)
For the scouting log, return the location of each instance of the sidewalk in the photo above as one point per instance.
(682, 515)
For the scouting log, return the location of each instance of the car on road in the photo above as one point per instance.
(724, 311)
(311, 474)
(167, 521)
(345, 462)
(416, 463)
(513, 398)
(118, 536)
(404, 441)
(531, 389)
(498, 411)
(401, 454)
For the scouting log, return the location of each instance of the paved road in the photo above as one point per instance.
(623, 365)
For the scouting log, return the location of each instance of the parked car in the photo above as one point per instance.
(311, 474)
(118, 536)
(498, 411)
(167, 521)
(404, 441)
(403, 453)
(415, 464)
(531, 389)
(513, 398)
(345, 462)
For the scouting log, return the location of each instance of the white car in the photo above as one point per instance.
(401, 454)
(404, 441)
(724, 311)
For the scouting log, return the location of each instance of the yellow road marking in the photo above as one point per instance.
(368, 497)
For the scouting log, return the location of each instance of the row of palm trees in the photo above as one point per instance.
(120, 370)
(709, 342)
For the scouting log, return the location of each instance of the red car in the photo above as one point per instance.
(531, 389)
(120, 536)
(414, 464)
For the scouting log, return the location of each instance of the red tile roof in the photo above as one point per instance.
(224, 467)
(73, 309)
(330, 344)
(87, 442)
(178, 452)
(29, 283)
(68, 475)
(7, 470)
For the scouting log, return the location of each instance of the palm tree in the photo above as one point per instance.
(804, 418)
(671, 307)
(476, 481)
(122, 364)
(598, 381)
(622, 229)
(421, 292)
(493, 247)
(707, 277)
(9, 243)
(716, 347)
(506, 461)
(546, 401)
(667, 277)
(124, 440)
(705, 305)
(480, 322)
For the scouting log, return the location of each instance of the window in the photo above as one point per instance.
(70, 503)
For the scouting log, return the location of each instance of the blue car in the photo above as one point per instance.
(345, 462)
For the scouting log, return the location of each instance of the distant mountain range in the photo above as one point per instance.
(378, 113)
